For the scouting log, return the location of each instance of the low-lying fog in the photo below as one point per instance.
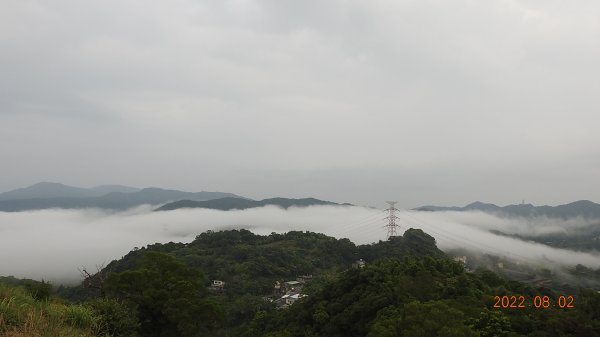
(52, 244)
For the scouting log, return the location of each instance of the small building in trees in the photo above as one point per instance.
(217, 285)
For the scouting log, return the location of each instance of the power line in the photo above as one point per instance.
(370, 217)
(363, 226)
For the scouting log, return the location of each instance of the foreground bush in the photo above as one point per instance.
(114, 318)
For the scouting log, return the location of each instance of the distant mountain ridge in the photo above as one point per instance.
(229, 203)
(47, 190)
(581, 208)
(116, 197)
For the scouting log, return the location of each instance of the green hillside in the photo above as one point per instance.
(429, 297)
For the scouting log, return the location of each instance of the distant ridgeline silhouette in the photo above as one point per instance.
(242, 203)
(47, 195)
(54, 195)
(581, 208)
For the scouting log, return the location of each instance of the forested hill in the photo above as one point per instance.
(430, 297)
(251, 263)
(229, 203)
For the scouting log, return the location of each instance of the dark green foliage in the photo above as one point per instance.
(414, 242)
(492, 323)
(250, 263)
(416, 319)
(588, 305)
(490, 278)
(425, 296)
(169, 296)
(78, 294)
(38, 290)
(11, 280)
(349, 305)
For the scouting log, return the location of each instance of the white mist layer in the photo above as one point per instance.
(52, 244)
(530, 226)
(470, 230)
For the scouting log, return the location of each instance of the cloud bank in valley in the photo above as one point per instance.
(529, 226)
(470, 230)
(52, 244)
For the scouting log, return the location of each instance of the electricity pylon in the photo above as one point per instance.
(392, 227)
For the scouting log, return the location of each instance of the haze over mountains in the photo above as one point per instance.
(44, 190)
(582, 208)
(574, 226)
(46, 195)
(54, 195)
(226, 204)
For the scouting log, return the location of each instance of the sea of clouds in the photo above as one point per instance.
(53, 244)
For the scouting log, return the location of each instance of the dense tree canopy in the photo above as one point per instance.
(170, 297)
(426, 296)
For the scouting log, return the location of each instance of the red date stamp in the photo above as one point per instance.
(538, 302)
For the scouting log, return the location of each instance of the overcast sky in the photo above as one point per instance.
(425, 102)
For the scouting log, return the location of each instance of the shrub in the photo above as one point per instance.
(114, 317)
(39, 290)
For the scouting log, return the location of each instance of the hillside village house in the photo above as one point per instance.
(217, 285)
(290, 291)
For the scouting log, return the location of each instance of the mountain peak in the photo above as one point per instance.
(581, 203)
(45, 189)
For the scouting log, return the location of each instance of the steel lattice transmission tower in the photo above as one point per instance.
(392, 226)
